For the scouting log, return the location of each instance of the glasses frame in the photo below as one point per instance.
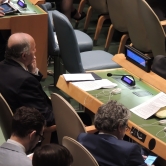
(41, 137)
(127, 127)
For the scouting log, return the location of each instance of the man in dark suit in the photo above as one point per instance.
(20, 78)
(108, 147)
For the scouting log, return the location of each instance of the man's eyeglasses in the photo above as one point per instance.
(127, 127)
(41, 138)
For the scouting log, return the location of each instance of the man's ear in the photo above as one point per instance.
(120, 128)
(32, 135)
(23, 56)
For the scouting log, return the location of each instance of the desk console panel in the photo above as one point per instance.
(137, 134)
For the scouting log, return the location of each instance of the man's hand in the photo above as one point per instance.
(144, 157)
(1, 9)
(32, 68)
(2, 1)
(1, 12)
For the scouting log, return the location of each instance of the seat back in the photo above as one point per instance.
(117, 15)
(52, 45)
(155, 31)
(68, 123)
(69, 50)
(81, 156)
(5, 118)
(135, 26)
(100, 6)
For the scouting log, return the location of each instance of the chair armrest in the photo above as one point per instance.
(91, 129)
(50, 129)
(163, 23)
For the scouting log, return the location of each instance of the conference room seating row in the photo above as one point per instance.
(135, 19)
(127, 16)
(67, 132)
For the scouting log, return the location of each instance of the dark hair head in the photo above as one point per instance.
(25, 120)
(52, 155)
(110, 115)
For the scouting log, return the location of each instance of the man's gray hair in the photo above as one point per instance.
(110, 115)
(16, 50)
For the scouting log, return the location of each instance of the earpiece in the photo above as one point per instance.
(162, 122)
(116, 91)
(165, 129)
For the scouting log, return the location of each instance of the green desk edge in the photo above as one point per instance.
(130, 100)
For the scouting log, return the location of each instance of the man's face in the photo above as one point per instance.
(122, 130)
(31, 56)
(36, 138)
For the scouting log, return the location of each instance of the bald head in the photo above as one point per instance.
(19, 45)
(18, 39)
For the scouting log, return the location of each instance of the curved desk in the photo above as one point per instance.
(145, 136)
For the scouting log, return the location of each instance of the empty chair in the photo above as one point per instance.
(100, 7)
(155, 31)
(68, 123)
(135, 26)
(84, 41)
(73, 60)
(116, 14)
(81, 156)
(6, 115)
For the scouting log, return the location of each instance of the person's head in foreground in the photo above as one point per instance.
(112, 118)
(52, 155)
(27, 127)
(21, 47)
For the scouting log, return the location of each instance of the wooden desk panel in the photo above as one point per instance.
(93, 103)
(4, 23)
(79, 95)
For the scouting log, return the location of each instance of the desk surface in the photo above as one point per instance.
(92, 100)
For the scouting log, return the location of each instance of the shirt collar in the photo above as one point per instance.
(101, 132)
(16, 143)
(23, 66)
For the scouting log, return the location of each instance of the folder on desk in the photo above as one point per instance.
(150, 107)
(94, 85)
(79, 77)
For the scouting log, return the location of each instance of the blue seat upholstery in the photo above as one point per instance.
(84, 41)
(73, 60)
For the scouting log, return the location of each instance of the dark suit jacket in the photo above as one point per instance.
(109, 151)
(12, 155)
(21, 88)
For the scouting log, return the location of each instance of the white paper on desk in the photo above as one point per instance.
(78, 77)
(94, 85)
(147, 109)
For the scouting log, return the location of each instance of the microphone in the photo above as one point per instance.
(124, 78)
(110, 74)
